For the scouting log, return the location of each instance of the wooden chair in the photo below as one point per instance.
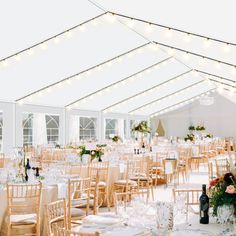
(65, 232)
(2, 160)
(184, 162)
(79, 199)
(191, 197)
(222, 166)
(100, 171)
(170, 170)
(56, 213)
(23, 208)
(127, 197)
(143, 177)
(126, 184)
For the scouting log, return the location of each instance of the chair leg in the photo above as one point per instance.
(8, 229)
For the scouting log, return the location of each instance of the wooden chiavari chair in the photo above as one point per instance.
(23, 208)
(127, 197)
(74, 169)
(170, 170)
(100, 171)
(2, 160)
(222, 166)
(56, 214)
(144, 176)
(66, 232)
(79, 199)
(126, 184)
(184, 162)
(191, 197)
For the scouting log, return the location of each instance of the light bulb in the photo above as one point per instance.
(82, 28)
(207, 43)
(148, 28)
(130, 23)
(56, 40)
(30, 51)
(226, 48)
(171, 51)
(18, 57)
(202, 61)
(120, 59)
(68, 34)
(43, 46)
(218, 65)
(187, 38)
(168, 33)
(95, 22)
(110, 18)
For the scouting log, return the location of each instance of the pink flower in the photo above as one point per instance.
(230, 189)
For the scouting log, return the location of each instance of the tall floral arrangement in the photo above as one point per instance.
(223, 191)
(142, 127)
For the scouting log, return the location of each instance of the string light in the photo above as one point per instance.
(179, 92)
(187, 35)
(151, 90)
(203, 58)
(180, 104)
(121, 82)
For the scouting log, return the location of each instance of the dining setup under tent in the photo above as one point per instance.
(117, 118)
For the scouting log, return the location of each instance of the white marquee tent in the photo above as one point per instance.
(112, 58)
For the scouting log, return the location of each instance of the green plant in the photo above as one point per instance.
(142, 127)
(223, 191)
(189, 137)
(208, 136)
(116, 138)
(191, 128)
(200, 128)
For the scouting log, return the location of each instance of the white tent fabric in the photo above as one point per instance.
(144, 82)
(39, 129)
(74, 129)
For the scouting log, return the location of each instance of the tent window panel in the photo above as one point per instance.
(111, 127)
(52, 126)
(1, 129)
(88, 127)
(27, 124)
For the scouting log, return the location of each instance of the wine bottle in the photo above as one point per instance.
(204, 206)
(27, 169)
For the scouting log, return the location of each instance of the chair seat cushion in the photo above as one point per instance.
(100, 184)
(81, 202)
(77, 212)
(23, 219)
(123, 182)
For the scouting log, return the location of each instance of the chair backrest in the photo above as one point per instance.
(73, 169)
(99, 167)
(55, 211)
(23, 199)
(78, 195)
(127, 197)
(66, 232)
(222, 166)
(192, 195)
(2, 160)
(170, 166)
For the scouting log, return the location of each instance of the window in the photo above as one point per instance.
(1, 129)
(88, 128)
(28, 129)
(52, 126)
(111, 127)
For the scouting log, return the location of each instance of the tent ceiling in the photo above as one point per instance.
(114, 88)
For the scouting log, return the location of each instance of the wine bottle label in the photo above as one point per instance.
(205, 207)
(202, 213)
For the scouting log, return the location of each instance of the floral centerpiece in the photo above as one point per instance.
(116, 139)
(189, 137)
(142, 127)
(191, 128)
(97, 153)
(223, 192)
(200, 128)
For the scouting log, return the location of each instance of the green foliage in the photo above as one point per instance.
(200, 128)
(219, 196)
(191, 128)
(189, 137)
(142, 127)
(116, 138)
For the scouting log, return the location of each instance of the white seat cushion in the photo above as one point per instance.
(77, 212)
(27, 218)
(123, 181)
(100, 184)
